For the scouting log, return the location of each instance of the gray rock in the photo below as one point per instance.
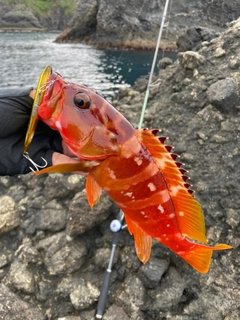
(62, 255)
(27, 16)
(21, 18)
(152, 271)
(14, 308)
(115, 313)
(70, 318)
(223, 95)
(190, 59)
(164, 63)
(84, 295)
(192, 37)
(3, 260)
(20, 277)
(132, 296)
(80, 217)
(9, 218)
(169, 293)
(135, 24)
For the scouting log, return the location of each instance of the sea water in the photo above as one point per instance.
(23, 55)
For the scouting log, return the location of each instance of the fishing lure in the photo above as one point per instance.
(135, 168)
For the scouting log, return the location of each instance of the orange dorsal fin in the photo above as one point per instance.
(93, 190)
(143, 242)
(200, 258)
(188, 211)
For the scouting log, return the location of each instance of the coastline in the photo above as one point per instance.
(15, 29)
(141, 45)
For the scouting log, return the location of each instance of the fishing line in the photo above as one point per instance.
(153, 65)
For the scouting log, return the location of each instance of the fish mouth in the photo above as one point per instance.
(52, 92)
(49, 86)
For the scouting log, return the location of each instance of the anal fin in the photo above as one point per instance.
(143, 242)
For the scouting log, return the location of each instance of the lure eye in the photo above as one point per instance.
(82, 101)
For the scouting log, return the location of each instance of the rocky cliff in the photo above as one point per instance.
(135, 23)
(35, 15)
(54, 250)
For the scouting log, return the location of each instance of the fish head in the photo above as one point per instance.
(89, 124)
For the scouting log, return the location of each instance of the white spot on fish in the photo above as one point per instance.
(181, 214)
(174, 190)
(58, 124)
(178, 235)
(111, 174)
(112, 135)
(168, 225)
(151, 186)
(160, 208)
(172, 215)
(128, 194)
(138, 161)
(144, 214)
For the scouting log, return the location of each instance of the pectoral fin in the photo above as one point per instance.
(93, 190)
(83, 166)
(143, 242)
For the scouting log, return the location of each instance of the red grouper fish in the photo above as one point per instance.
(134, 167)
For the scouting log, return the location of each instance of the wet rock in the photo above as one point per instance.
(223, 95)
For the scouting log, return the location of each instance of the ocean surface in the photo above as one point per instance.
(23, 55)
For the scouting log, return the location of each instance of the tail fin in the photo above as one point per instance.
(200, 258)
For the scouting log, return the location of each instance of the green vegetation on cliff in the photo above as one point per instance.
(43, 6)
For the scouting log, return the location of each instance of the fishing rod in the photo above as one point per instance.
(116, 225)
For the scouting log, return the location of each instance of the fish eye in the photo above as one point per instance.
(82, 101)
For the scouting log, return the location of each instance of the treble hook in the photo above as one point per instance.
(37, 166)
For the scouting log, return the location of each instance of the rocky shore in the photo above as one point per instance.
(129, 25)
(55, 250)
(135, 24)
